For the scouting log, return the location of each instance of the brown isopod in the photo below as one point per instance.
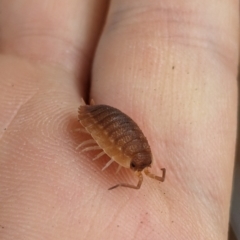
(118, 136)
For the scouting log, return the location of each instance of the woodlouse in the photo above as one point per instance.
(118, 136)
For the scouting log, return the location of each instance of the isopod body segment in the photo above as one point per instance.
(118, 136)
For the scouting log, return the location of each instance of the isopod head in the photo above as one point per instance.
(140, 161)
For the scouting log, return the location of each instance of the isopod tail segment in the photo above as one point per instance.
(140, 179)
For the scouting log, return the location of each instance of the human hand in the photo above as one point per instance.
(170, 65)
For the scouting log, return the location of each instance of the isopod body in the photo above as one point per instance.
(118, 136)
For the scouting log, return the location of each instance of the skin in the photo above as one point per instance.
(170, 65)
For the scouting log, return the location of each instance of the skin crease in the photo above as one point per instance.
(169, 65)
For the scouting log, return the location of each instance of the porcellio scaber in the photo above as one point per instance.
(118, 136)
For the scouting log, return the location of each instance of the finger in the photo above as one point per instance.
(58, 32)
(43, 44)
(172, 66)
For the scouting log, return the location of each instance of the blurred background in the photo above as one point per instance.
(234, 230)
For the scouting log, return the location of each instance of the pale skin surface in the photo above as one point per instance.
(170, 65)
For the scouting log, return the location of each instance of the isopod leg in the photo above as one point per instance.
(85, 143)
(118, 169)
(82, 102)
(91, 148)
(92, 102)
(151, 175)
(108, 164)
(99, 155)
(140, 180)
